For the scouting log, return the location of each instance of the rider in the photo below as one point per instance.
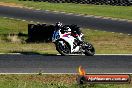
(75, 31)
(58, 25)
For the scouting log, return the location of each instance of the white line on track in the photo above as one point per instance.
(47, 10)
(104, 18)
(4, 17)
(122, 19)
(10, 53)
(38, 73)
(77, 15)
(97, 17)
(103, 54)
(114, 54)
(69, 14)
(56, 11)
(18, 19)
(30, 7)
(60, 73)
(38, 9)
(114, 18)
(31, 21)
(23, 20)
(77, 54)
(129, 21)
(121, 33)
(81, 15)
(12, 18)
(88, 16)
(62, 12)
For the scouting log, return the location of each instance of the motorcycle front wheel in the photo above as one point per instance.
(63, 47)
(89, 50)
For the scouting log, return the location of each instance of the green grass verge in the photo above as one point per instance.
(104, 42)
(12, 26)
(49, 81)
(107, 42)
(10, 42)
(98, 10)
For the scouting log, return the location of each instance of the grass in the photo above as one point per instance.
(10, 42)
(104, 42)
(98, 10)
(49, 81)
(12, 26)
(107, 42)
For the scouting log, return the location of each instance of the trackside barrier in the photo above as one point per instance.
(40, 32)
(43, 32)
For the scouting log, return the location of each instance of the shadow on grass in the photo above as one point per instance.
(33, 53)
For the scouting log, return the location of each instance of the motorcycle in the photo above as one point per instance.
(66, 44)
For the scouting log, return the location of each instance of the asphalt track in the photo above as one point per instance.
(82, 21)
(65, 64)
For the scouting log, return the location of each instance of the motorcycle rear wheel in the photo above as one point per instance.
(64, 49)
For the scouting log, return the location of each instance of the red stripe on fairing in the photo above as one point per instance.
(74, 34)
(66, 35)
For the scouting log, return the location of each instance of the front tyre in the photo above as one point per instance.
(89, 50)
(63, 47)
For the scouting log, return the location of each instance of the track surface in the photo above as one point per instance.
(51, 17)
(64, 64)
(69, 64)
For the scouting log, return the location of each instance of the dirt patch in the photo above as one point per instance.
(11, 4)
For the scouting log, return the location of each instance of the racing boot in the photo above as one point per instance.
(79, 40)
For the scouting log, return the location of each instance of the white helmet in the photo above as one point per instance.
(68, 29)
(59, 24)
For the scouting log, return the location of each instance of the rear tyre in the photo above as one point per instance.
(63, 47)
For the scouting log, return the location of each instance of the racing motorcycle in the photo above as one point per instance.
(66, 44)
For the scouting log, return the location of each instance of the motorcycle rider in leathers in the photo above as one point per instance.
(75, 31)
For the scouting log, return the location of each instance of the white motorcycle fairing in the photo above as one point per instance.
(70, 40)
(66, 37)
